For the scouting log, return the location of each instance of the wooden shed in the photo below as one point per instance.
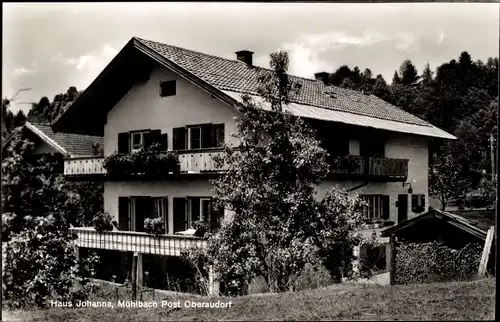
(450, 229)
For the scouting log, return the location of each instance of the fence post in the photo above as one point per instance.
(392, 266)
(140, 274)
(134, 276)
(486, 252)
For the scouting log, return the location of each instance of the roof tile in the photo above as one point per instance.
(234, 75)
(74, 144)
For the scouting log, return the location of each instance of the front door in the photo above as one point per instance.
(402, 208)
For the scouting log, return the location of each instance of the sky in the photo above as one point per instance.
(49, 47)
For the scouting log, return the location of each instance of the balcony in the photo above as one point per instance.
(130, 241)
(202, 162)
(190, 162)
(84, 166)
(389, 169)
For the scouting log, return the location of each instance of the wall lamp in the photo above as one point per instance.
(410, 189)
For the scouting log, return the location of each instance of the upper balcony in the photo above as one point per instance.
(202, 162)
(190, 162)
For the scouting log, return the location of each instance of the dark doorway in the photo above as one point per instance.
(402, 208)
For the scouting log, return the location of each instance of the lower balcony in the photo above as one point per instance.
(129, 241)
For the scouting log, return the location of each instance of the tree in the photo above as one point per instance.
(348, 83)
(446, 180)
(426, 78)
(36, 204)
(380, 89)
(277, 226)
(46, 112)
(396, 79)
(408, 72)
(339, 75)
(19, 119)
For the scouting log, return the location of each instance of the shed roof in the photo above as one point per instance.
(455, 220)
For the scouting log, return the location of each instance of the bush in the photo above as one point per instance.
(343, 163)
(150, 161)
(102, 222)
(434, 262)
(154, 226)
(201, 228)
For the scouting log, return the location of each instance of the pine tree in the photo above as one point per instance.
(408, 72)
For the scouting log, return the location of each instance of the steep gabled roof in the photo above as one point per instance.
(70, 144)
(237, 76)
(228, 79)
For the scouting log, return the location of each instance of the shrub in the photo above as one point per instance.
(312, 277)
(343, 163)
(201, 228)
(40, 265)
(434, 262)
(102, 222)
(150, 161)
(154, 226)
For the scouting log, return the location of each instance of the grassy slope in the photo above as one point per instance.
(441, 301)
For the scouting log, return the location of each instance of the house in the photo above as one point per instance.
(65, 145)
(186, 100)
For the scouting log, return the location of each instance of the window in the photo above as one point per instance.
(167, 88)
(137, 140)
(147, 207)
(198, 136)
(418, 203)
(376, 207)
(191, 209)
(194, 138)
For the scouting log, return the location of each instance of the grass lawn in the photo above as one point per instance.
(441, 301)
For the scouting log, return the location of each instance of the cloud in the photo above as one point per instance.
(311, 53)
(440, 37)
(21, 70)
(92, 61)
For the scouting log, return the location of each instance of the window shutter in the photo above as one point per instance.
(123, 143)
(164, 142)
(154, 137)
(180, 222)
(386, 214)
(207, 140)
(422, 202)
(124, 213)
(179, 138)
(414, 203)
(165, 213)
(148, 139)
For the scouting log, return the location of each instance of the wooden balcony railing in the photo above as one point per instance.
(357, 167)
(196, 162)
(190, 162)
(203, 162)
(84, 166)
(391, 168)
(130, 241)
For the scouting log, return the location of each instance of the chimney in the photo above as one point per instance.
(245, 56)
(321, 76)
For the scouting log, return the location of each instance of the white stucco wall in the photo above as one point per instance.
(143, 108)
